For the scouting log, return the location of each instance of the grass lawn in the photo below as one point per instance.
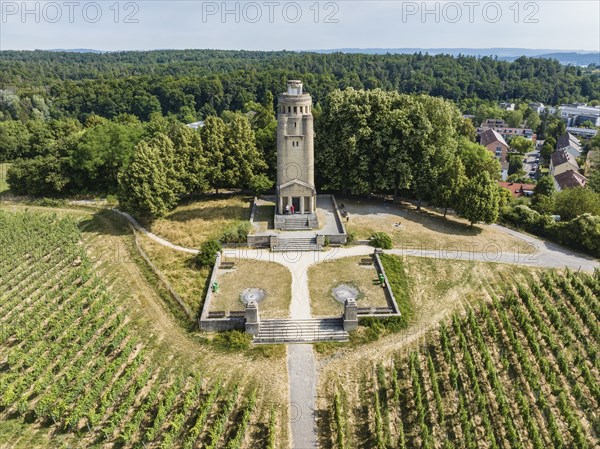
(274, 279)
(192, 223)
(187, 280)
(426, 229)
(3, 184)
(325, 276)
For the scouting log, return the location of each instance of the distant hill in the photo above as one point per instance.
(580, 58)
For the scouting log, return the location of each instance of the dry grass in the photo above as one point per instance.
(425, 229)
(193, 223)
(274, 279)
(325, 276)
(187, 280)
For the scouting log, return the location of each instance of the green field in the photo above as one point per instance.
(114, 373)
(519, 372)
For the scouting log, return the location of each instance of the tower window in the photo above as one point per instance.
(301, 109)
(295, 109)
(295, 124)
(289, 109)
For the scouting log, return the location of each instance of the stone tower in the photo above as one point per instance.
(295, 159)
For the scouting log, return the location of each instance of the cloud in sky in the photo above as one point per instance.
(299, 25)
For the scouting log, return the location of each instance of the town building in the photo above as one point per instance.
(576, 114)
(582, 132)
(569, 143)
(496, 144)
(561, 161)
(568, 180)
(518, 189)
(506, 131)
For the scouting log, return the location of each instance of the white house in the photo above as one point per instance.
(569, 143)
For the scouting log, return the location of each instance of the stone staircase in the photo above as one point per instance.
(297, 244)
(300, 331)
(298, 222)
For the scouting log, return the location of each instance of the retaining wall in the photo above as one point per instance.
(162, 277)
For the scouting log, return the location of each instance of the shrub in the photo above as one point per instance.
(207, 254)
(236, 233)
(232, 340)
(48, 202)
(351, 237)
(381, 240)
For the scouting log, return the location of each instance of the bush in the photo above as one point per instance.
(208, 253)
(232, 340)
(581, 233)
(381, 240)
(351, 237)
(236, 233)
(48, 202)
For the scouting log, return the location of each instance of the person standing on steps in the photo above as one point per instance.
(287, 209)
(293, 209)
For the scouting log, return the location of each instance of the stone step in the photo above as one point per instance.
(300, 331)
(297, 244)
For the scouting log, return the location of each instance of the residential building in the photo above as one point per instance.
(505, 131)
(582, 132)
(568, 180)
(561, 161)
(537, 107)
(507, 106)
(576, 114)
(518, 189)
(496, 144)
(569, 143)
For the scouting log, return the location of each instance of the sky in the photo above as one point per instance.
(298, 25)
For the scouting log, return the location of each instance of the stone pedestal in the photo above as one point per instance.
(350, 315)
(252, 318)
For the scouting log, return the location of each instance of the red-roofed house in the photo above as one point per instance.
(518, 189)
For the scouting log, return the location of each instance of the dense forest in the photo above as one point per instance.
(192, 84)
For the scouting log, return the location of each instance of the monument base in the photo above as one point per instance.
(296, 222)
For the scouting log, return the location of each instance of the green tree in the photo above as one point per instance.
(243, 161)
(570, 203)
(594, 181)
(213, 139)
(259, 184)
(477, 159)
(480, 199)
(522, 145)
(533, 121)
(544, 187)
(149, 185)
(40, 176)
(514, 118)
(450, 184)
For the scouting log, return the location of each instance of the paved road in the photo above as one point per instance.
(303, 392)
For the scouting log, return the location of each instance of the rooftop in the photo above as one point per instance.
(490, 136)
(566, 140)
(570, 179)
(517, 189)
(560, 157)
